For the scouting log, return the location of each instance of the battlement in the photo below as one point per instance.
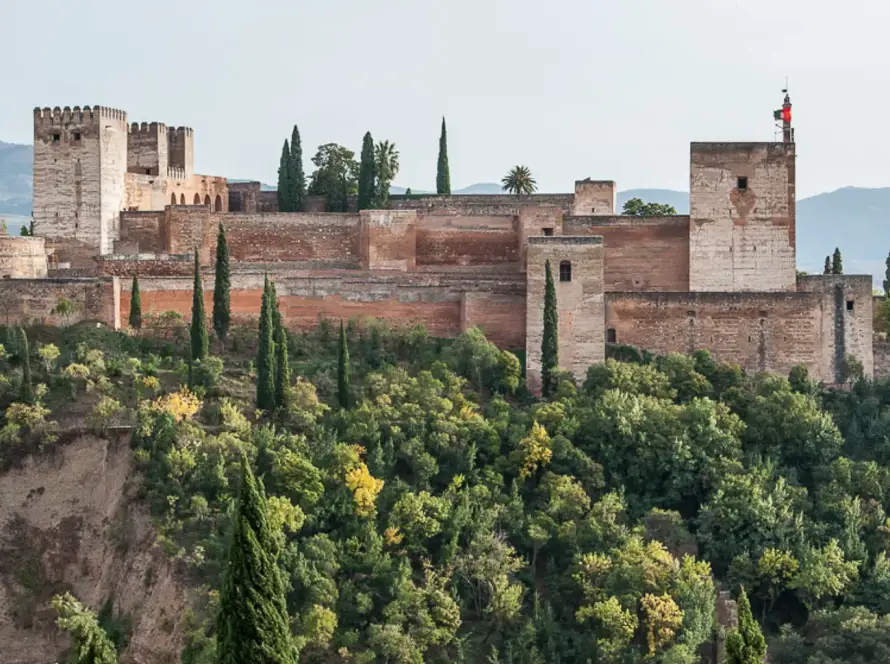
(180, 131)
(175, 173)
(68, 115)
(148, 128)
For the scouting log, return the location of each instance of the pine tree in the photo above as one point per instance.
(222, 311)
(253, 625)
(265, 364)
(297, 175)
(837, 263)
(285, 204)
(746, 644)
(90, 643)
(135, 305)
(343, 369)
(827, 269)
(282, 366)
(550, 340)
(198, 332)
(367, 174)
(26, 393)
(443, 175)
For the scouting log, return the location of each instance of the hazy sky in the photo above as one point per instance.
(571, 88)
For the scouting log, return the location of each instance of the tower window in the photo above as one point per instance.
(742, 183)
(548, 232)
(565, 271)
(849, 305)
(611, 336)
(77, 136)
(57, 138)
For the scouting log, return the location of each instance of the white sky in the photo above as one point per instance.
(571, 88)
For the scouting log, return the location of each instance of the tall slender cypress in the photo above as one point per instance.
(265, 364)
(827, 269)
(443, 175)
(285, 204)
(837, 263)
(222, 310)
(367, 174)
(343, 369)
(253, 624)
(198, 332)
(26, 392)
(282, 366)
(135, 305)
(550, 340)
(746, 644)
(297, 175)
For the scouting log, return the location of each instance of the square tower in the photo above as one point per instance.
(147, 149)
(576, 263)
(181, 149)
(742, 217)
(80, 160)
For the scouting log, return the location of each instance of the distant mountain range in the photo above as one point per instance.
(853, 218)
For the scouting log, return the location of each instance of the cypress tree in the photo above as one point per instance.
(827, 269)
(285, 204)
(837, 263)
(265, 364)
(135, 305)
(222, 311)
(443, 175)
(550, 340)
(26, 393)
(746, 644)
(198, 332)
(343, 369)
(253, 625)
(367, 174)
(282, 366)
(297, 176)
(887, 278)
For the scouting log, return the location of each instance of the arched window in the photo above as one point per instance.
(181, 199)
(207, 200)
(217, 206)
(172, 199)
(565, 271)
(197, 199)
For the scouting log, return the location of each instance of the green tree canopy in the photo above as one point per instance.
(335, 176)
(638, 208)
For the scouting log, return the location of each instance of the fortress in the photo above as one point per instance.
(113, 199)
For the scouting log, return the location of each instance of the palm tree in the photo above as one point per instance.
(386, 158)
(519, 181)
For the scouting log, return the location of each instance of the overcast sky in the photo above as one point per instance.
(571, 88)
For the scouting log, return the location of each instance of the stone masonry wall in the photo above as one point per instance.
(501, 316)
(594, 197)
(466, 240)
(113, 168)
(141, 233)
(388, 239)
(742, 216)
(482, 204)
(147, 149)
(26, 301)
(642, 253)
(580, 303)
(881, 353)
(22, 257)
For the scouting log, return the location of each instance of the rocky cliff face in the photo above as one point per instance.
(69, 521)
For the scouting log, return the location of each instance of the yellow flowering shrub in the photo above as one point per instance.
(365, 488)
(181, 405)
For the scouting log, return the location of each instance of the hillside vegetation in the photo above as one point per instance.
(446, 515)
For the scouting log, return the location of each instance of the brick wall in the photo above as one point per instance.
(388, 239)
(290, 236)
(141, 233)
(758, 331)
(22, 257)
(481, 205)
(25, 301)
(594, 197)
(501, 316)
(466, 240)
(146, 265)
(642, 253)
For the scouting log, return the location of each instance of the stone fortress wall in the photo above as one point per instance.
(721, 278)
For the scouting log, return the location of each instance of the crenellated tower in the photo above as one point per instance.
(80, 161)
(147, 149)
(181, 149)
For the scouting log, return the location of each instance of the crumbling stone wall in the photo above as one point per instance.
(22, 257)
(26, 301)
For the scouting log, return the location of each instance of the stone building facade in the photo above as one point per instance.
(112, 199)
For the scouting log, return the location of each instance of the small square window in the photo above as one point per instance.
(57, 138)
(77, 136)
(548, 232)
(611, 336)
(850, 305)
(742, 183)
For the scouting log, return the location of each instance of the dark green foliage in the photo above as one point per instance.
(335, 176)
(265, 363)
(837, 262)
(297, 175)
(282, 366)
(887, 278)
(745, 645)
(637, 208)
(26, 392)
(253, 624)
(827, 268)
(366, 174)
(285, 180)
(443, 174)
(135, 305)
(550, 339)
(343, 369)
(222, 313)
(200, 341)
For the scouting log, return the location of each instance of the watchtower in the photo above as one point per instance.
(181, 149)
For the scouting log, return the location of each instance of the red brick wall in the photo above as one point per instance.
(466, 240)
(642, 254)
(24, 301)
(500, 316)
(141, 233)
(758, 331)
(292, 237)
(163, 266)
